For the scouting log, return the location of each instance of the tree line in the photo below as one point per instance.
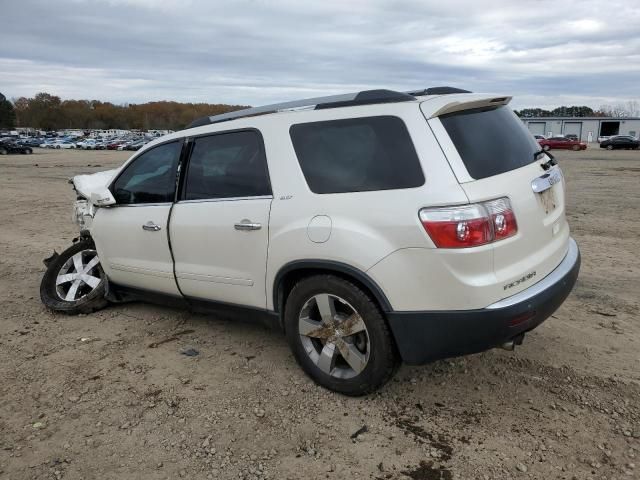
(628, 109)
(48, 112)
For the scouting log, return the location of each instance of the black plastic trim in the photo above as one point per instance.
(120, 293)
(438, 91)
(331, 266)
(426, 336)
(232, 311)
(369, 97)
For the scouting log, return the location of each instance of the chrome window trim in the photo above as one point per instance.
(226, 199)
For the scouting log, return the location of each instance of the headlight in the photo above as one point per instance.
(82, 214)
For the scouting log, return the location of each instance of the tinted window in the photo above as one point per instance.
(491, 141)
(227, 165)
(357, 155)
(151, 177)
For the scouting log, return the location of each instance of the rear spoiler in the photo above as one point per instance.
(457, 106)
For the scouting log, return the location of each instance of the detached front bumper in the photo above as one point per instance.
(426, 336)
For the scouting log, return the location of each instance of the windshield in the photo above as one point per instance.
(490, 140)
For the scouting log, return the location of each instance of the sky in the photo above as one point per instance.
(254, 52)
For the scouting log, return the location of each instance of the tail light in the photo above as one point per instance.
(470, 225)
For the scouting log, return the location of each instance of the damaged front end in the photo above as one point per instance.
(91, 191)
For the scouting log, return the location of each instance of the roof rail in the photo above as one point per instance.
(437, 91)
(366, 97)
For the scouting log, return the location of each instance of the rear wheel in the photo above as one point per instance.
(575, 148)
(339, 336)
(74, 281)
(546, 148)
(28, 151)
(3, 151)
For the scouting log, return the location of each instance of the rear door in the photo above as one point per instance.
(220, 225)
(493, 156)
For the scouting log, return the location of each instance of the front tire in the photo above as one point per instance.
(546, 148)
(609, 147)
(74, 281)
(339, 336)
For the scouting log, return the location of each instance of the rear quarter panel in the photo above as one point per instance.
(365, 226)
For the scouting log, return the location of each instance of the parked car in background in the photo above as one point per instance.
(65, 144)
(307, 217)
(135, 145)
(11, 146)
(561, 143)
(87, 144)
(620, 142)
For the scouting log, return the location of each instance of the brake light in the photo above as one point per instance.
(470, 225)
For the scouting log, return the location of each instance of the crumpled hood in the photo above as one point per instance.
(85, 184)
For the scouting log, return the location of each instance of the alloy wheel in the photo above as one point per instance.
(334, 336)
(79, 276)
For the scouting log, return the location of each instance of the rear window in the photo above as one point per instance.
(490, 141)
(357, 155)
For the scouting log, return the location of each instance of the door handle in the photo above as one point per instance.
(247, 225)
(151, 227)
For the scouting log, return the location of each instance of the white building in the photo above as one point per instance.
(586, 128)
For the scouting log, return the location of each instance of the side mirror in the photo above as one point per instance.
(102, 197)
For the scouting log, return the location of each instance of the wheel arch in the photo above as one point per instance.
(293, 271)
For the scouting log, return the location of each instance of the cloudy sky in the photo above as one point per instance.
(545, 53)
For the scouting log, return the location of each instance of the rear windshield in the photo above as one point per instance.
(491, 140)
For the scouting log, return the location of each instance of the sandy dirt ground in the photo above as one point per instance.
(87, 397)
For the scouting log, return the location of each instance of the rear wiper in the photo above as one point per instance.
(546, 165)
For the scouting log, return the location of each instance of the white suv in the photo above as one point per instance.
(372, 228)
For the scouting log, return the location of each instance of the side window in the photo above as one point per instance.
(357, 155)
(227, 165)
(150, 178)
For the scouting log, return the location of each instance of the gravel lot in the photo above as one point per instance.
(93, 397)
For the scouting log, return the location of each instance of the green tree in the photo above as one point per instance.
(7, 113)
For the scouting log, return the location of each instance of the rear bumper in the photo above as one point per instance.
(425, 336)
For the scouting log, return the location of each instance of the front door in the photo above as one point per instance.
(220, 225)
(132, 236)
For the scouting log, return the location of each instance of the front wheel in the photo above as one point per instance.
(339, 336)
(609, 147)
(74, 281)
(546, 148)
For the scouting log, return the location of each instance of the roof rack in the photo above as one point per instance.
(437, 91)
(366, 97)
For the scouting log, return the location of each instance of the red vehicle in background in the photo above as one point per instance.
(562, 143)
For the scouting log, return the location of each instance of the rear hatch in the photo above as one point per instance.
(493, 155)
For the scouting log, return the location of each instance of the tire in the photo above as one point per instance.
(28, 151)
(575, 148)
(546, 148)
(609, 147)
(3, 151)
(369, 346)
(86, 298)
(57, 147)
